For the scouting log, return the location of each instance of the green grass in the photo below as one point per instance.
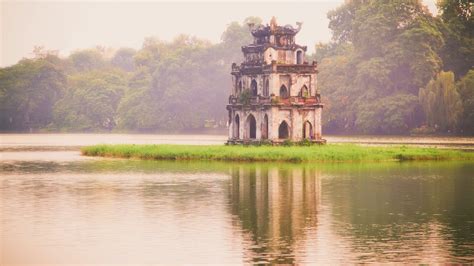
(323, 153)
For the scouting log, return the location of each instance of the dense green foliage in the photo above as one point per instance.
(28, 92)
(458, 30)
(391, 68)
(163, 86)
(466, 91)
(183, 87)
(441, 102)
(382, 54)
(323, 153)
(91, 100)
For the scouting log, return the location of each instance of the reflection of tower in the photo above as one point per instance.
(275, 206)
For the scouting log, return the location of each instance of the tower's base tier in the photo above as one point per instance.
(275, 123)
(274, 142)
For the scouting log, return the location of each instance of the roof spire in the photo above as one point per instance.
(273, 23)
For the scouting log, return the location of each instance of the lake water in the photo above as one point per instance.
(74, 141)
(59, 207)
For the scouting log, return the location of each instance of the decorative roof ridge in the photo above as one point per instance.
(265, 46)
(274, 29)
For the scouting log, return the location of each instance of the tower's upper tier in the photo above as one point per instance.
(274, 34)
(273, 43)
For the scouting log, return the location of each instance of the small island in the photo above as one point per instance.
(313, 153)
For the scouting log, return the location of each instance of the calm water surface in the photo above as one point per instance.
(68, 141)
(59, 207)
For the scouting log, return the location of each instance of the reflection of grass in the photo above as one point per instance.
(325, 153)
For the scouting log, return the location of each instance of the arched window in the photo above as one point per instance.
(308, 130)
(284, 92)
(299, 57)
(283, 131)
(253, 87)
(304, 92)
(240, 86)
(265, 127)
(237, 127)
(266, 90)
(251, 127)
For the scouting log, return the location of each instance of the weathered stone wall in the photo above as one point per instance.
(297, 83)
(281, 56)
(283, 80)
(277, 117)
(293, 82)
(247, 81)
(244, 129)
(269, 55)
(294, 116)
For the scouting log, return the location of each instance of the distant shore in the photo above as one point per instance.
(323, 153)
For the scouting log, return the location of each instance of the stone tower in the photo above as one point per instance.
(274, 91)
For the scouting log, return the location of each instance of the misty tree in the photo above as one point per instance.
(389, 50)
(441, 102)
(234, 37)
(124, 59)
(392, 114)
(28, 91)
(458, 29)
(466, 92)
(150, 54)
(86, 60)
(90, 101)
(179, 85)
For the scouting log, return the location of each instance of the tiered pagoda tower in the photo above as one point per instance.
(274, 94)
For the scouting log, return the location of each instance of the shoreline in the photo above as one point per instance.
(337, 153)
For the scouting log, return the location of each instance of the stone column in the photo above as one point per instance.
(242, 125)
(258, 124)
(317, 123)
(231, 124)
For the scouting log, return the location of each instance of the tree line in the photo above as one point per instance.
(391, 68)
(394, 68)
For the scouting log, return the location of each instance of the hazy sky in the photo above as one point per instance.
(70, 25)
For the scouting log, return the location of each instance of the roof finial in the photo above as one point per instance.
(299, 24)
(273, 23)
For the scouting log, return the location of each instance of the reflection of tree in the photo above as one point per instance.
(418, 212)
(274, 206)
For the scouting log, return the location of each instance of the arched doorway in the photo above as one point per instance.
(251, 127)
(283, 131)
(304, 92)
(299, 57)
(308, 130)
(284, 92)
(253, 87)
(237, 127)
(265, 127)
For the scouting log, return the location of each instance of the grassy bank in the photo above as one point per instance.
(324, 153)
